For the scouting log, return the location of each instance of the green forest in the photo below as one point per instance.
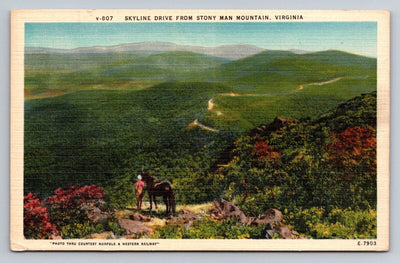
(293, 132)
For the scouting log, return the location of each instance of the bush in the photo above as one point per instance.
(209, 229)
(265, 154)
(69, 209)
(70, 205)
(74, 213)
(37, 223)
(338, 223)
(77, 230)
(113, 226)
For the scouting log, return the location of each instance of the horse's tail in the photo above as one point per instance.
(172, 201)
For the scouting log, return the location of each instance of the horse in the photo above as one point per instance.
(139, 192)
(164, 189)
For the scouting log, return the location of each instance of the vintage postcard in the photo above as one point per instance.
(200, 130)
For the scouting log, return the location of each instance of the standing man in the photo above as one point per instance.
(139, 192)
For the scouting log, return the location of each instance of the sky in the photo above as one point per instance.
(354, 37)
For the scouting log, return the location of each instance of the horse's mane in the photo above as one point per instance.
(161, 183)
(155, 179)
(147, 174)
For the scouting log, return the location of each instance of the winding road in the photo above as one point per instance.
(202, 126)
(211, 103)
(318, 83)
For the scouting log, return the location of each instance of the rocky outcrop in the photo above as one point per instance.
(272, 219)
(185, 218)
(223, 209)
(271, 216)
(134, 227)
(96, 215)
(140, 217)
(265, 129)
(103, 235)
(137, 225)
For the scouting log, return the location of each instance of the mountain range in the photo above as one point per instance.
(231, 52)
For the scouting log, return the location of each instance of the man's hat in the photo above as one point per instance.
(139, 177)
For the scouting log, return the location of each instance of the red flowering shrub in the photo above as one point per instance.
(75, 196)
(354, 150)
(36, 219)
(71, 206)
(264, 152)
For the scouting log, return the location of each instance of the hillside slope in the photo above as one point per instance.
(92, 136)
(277, 71)
(328, 161)
(113, 119)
